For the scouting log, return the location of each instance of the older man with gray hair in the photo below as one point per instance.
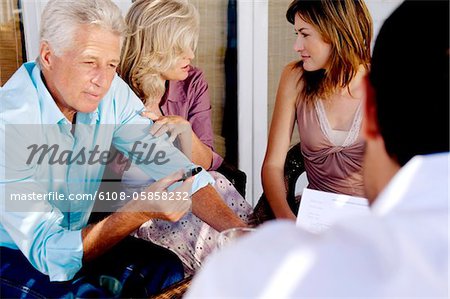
(58, 119)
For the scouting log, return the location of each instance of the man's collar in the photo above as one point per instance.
(50, 111)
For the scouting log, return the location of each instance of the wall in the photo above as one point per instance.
(10, 40)
(210, 56)
(281, 39)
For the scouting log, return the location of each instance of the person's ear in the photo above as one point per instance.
(370, 123)
(46, 54)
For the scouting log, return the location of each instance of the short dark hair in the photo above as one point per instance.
(410, 76)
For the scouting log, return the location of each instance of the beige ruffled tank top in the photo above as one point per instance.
(330, 167)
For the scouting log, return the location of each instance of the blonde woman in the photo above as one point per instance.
(322, 92)
(156, 63)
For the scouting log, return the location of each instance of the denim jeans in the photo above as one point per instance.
(142, 268)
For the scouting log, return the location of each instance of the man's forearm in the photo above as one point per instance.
(206, 204)
(103, 235)
(209, 206)
(100, 237)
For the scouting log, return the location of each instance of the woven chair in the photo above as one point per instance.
(237, 177)
(175, 291)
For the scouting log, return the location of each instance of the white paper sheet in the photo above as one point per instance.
(319, 210)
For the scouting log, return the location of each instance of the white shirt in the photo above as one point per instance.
(400, 250)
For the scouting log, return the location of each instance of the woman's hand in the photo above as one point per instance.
(174, 125)
(189, 143)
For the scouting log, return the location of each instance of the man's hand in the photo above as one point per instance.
(101, 236)
(156, 202)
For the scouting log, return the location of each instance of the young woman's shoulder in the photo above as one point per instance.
(290, 83)
(293, 68)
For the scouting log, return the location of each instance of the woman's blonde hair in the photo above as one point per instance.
(347, 26)
(160, 31)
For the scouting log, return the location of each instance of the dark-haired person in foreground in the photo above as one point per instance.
(401, 250)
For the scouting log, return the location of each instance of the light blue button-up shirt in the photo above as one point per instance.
(48, 232)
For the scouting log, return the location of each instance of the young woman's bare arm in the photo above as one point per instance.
(281, 128)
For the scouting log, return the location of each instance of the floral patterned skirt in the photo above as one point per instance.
(191, 238)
